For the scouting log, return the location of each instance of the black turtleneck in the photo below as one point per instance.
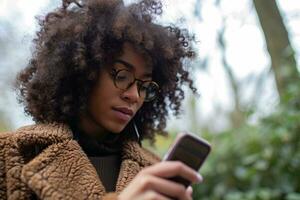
(104, 154)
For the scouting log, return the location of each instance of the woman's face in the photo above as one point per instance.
(110, 108)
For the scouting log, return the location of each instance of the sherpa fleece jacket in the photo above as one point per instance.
(59, 169)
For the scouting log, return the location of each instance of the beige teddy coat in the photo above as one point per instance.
(61, 170)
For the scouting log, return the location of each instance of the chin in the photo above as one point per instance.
(116, 129)
(114, 126)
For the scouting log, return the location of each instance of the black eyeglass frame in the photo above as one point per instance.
(140, 82)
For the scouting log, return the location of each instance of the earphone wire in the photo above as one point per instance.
(136, 131)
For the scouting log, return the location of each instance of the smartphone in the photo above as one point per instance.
(189, 149)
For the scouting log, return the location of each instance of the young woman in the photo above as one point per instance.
(102, 78)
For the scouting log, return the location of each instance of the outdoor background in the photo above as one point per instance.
(247, 74)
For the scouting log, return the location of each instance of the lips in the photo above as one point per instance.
(124, 110)
(123, 114)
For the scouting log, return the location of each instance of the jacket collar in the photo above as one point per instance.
(42, 134)
(62, 169)
(52, 133)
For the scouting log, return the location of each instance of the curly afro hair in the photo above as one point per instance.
(80, 37)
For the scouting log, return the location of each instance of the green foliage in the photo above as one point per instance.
(161, 144)
(257, 162)
(4, 123)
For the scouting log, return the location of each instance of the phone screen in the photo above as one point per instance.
(191, 150)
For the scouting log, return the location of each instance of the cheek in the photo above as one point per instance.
(104, 89)
(101, 97)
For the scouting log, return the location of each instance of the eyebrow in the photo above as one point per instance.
(130, 66)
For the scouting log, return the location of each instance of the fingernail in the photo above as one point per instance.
(200, 178)
(190, 190)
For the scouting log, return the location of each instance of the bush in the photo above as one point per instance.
(257, 162)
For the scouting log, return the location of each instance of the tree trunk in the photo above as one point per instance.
(237, 116)
(279, 47)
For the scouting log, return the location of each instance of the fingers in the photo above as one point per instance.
(151, 195)
(167, 169)
(164, 187)
(153, 182)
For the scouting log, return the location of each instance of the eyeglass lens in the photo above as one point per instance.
(147, 89)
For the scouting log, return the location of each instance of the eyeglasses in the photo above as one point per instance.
(124, 79)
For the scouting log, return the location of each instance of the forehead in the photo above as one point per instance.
(134, 60)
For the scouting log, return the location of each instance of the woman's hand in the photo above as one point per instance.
(152, 182)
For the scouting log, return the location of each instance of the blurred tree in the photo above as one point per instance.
(281, 52)
(237, 115)
(7, 40)
(4, 124)
(5, 31)
(262, 161)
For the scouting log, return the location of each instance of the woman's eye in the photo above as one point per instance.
(143, 87)
(121, 78)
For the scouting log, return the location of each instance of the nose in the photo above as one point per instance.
(131, 94)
